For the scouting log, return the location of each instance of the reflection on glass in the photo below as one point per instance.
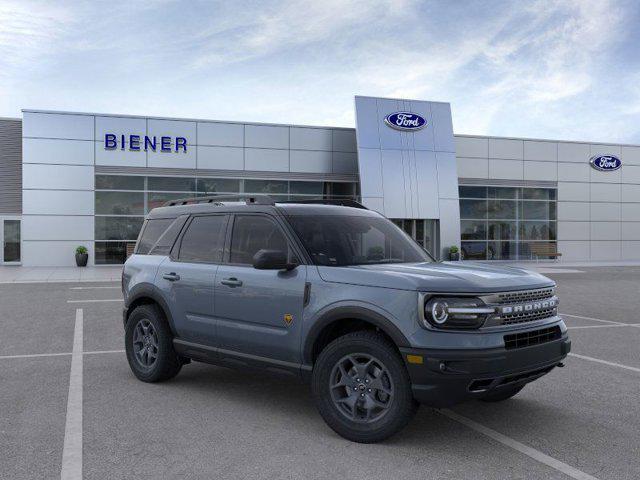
(171, 184)
(11, 242)
(504, 209)
(473, 209)
(119, 182)
(502, 231)
(474, 250)
(117, 228)
(120, 203)
(473, 230)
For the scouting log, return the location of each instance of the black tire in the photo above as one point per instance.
(167, 363)
(502, 394)
(401, 404)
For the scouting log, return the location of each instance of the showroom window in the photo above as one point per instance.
(501, 223)
(121, 201)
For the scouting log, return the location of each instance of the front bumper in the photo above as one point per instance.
(447, 377)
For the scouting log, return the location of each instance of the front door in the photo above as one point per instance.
(10, 237)
(259, 312)
(187, 278)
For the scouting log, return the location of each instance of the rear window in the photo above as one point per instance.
(204, 239)
(151, 232)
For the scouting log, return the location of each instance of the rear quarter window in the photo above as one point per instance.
(151, 233)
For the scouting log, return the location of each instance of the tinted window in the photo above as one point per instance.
(253, 233)
(119, 182)
(355, 240)
(204, 239)
(119, 203)
(117, 228)
(153, 229)
(168, 238)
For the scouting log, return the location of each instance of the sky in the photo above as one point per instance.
(566, 69)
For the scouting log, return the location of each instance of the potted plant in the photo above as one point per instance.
(454, 253)
(82, 255)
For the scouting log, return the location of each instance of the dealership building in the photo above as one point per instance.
(70, 179)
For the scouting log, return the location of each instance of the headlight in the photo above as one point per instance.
(455, 312)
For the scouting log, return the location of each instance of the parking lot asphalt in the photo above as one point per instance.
(581, 421)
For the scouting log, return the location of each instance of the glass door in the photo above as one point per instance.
(10, 234)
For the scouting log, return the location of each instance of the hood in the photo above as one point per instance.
(443, 277)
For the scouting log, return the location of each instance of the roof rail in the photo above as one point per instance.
(345, 202)
(249, 200)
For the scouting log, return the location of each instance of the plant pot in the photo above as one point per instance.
(81, 259)
(454, 257)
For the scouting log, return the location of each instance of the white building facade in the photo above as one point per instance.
(89, 179)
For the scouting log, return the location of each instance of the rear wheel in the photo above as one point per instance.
(149, 345)
(362, 389)
(502, 394)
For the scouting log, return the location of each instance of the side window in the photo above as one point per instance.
(168, 238)
(151, 233)
(252, 233)
(204, 239)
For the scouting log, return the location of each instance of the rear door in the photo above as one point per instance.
(259, 312)
(187, 277)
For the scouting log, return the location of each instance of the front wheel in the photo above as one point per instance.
(362, 389)
(149, 345)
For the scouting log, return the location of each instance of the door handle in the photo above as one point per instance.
(172, 277)
(231, 282)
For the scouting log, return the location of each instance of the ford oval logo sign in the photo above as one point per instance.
(405, 121)
(605, 163)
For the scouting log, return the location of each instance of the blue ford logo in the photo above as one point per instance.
(605, 163)
(405, 121)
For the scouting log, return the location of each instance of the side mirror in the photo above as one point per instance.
(272, 260)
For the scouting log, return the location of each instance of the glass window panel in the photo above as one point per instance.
(171, 184)
(503, 209)
(155, 199)
(151, 233)
(537, 231)
(420, 232)
(118, 228)
(341, 189)
(532, 210)
(502, 192)
(110, 253)
(525, 249)
(11, 241)
(265, 186)
(218, 185)
(473, 230)
(306, 188)
(473, 209)
(474, 250)
(252, 233)
(119, 182)
(204, 239)
(502, 251)
(119, 203)
(502, 231)
(472, 192)
(539, 193)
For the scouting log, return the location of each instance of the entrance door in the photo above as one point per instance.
(10, 236)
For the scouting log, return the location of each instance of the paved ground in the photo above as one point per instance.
(582, 421)
(20, 274)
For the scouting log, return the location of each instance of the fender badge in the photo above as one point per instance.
(288, 318)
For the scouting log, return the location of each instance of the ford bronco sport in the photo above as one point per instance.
(338, 296)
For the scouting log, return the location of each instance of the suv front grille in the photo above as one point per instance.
(525, 295)
(535, 337)
(522, 306)
(515, 318)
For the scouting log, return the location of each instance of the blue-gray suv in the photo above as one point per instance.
(338, 296)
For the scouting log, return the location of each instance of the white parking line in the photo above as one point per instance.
(94, 288)
(62, 354)
(72, 450)
(34, 355)
(520, 447)
(96, 301)
(605, 362)
(591, 318)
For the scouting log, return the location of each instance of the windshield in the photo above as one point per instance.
(342, 240)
